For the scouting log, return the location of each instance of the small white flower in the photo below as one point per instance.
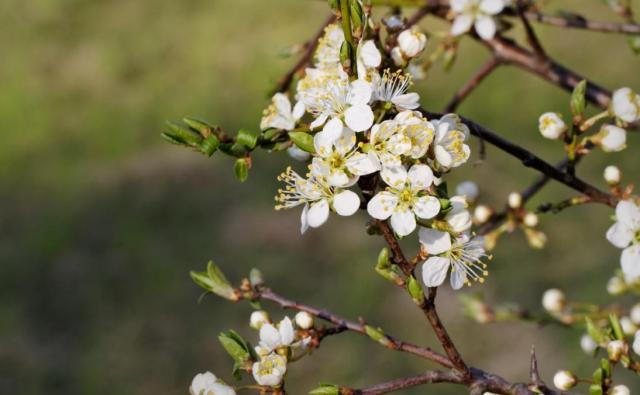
(564, 380)
(279, 114)
(450, 149)
(405, 198)
(625, 105)
(551, 125)
(327, 53)
(611, 138)
(304, 320)
(553, 300)
(462, 254)
(514, 200)
(612, 175)
(420, 132)
(477, 13)
(587, 344)
(530, 220)
(459, 218)
(636, 343)
(270, 370)
(369, 59)
(615, 349)
(469, 190)
(317, 196)
(208, 384)
(482, 214)
(615, 286)
(258, 318)
(625, 233)
(272, 338)
(628, 327)
(411, 42)
(620, 389)
(392, 88)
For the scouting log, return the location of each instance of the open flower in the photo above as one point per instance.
(405, 198)
(208, 384)
(418, 130)
(337, 159)
(327, 53)
(477, 13)
(625, 233)
(450, 149)
(387, 143)
(462, 255)
(392, 88)
(279, 114)
(625, 105)
(270, 370)
(410, 43)
(272, 337)
(459, 218)
(317, 196)
(369, 59)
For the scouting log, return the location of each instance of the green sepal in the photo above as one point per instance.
(200, 126)
(578, 101)
(415, 290)
(209, 145)
(616, 328)
(247, 138)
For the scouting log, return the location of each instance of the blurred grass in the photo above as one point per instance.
(102, 220)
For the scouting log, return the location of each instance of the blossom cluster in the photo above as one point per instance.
(367, 129)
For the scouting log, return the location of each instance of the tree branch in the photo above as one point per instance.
(472, 84)
(582, 23)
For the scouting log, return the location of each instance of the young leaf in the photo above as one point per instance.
(303, 140)
(241, 169)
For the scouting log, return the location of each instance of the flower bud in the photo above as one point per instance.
(634, 314)
(615, 349)
(469, 190)
(515, 200)
(615, 286)
(530, 220)
(411, 42)
(612, 175)
(611, 138)
(564, 380)
(258, 318)
(625, 105)
(620, 389)
(628, 327)
(587, 344)
(482, 214)
(554, 300)
(535, 238)
(304, 320)
(551, 125)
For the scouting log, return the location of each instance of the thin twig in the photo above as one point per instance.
(532, 38)
(472, 84)
(582, 23)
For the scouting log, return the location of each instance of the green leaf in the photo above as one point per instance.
(209, 145)
(325, 389)
(595, 389)
(178, 132)
(596, 333)
(383, 258)
(213, 280)
(235, 346)
(247, 138)
(200, 126)
(255, 277)
(377, 334)
(241, 169)
(578, 102)
(173, 139)
(616, 328)
(303, 140)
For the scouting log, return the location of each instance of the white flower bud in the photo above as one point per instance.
(636, 343)
(258, 318)
(396, 55)
(625, 105)
(615, 286)
(628, 327)
(515, 200)
(587, 344)
(551, 125)
(564, 380)
(531, 220)
(611, 138)
(482, 214)
(411, 42)
(612, 175)
(554, 300)
(634, 314)
(469, 190)
(304, 320)
(615, 349)
(620, 389)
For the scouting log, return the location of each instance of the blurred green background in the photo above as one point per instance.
(102, 220)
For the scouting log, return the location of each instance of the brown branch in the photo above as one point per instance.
(429, 377)
(472, 84)
(532, 38)
(582, 23)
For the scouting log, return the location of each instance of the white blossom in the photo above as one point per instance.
(317, 196)
(612, 175)
(405, 198)
(411, 42)
(450, 149)
(564, 380)
(272, 337)
(620, 389)
(551, 125)
(420, 132)
(463, 255)
(481, 214)
(280, 115)
(270, 370)
(625, 105)
(208, 384)
(476, 13)
(530, 220)
(636, 343)
(625, 234)
(369, 59)
(587, 344)
(469, 190)
(392, 88)
(304, 320)
(458, 218)
(628, 327)
(514, 200)
(611, 138)
(615, 349)
(258, 318)
(327, 53)
(553, 300)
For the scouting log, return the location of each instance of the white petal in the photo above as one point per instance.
(285, 327)
(298, 110)
(304, 225)
(461, 24)
(434, 241)
(426, 207)
(394, 176)
(323, 144)
(359, 93)
(630, 262)
(318, 122)
(269, 336)
(338, 178)
(318, 213)
(434, 271)
(282, 103)
(359, 117)
(346, 203)
(363, 164)
(403, 222)
(399, 144)
(491, 7)
(457, 278)
(370, 55)
(333, 128)
(381, 206)
(420, 176)
(628, 213)
(345, 142)
(620, 235)
(458, 6)
(408, 101)
(442, 156)
(485, 27)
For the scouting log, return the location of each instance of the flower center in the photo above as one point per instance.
(406, 197)
(336, 161)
